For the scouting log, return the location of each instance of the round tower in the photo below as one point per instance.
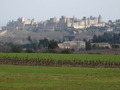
(99, 19)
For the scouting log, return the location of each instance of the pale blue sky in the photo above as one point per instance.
(45, 9)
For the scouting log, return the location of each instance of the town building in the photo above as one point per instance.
(101, 45)
(76, 45)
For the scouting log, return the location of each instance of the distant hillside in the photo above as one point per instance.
(20, 36)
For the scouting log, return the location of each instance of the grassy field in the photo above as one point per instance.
(58, 78)
(112, 58)
(60, 60)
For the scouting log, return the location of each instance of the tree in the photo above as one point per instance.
(88, 45)
(52, 45)
(30, 39)
(94, 46)
(43, 43)
(95, 38)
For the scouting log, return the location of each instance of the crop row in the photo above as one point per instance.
(60, 60)
(49, 62)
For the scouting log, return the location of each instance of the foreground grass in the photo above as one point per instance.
(58, 78)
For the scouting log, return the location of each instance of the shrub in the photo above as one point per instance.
(16, 49)
(29, 50)
(115, 46)
(67, 51)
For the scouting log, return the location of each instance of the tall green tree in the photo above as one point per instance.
(30, 39)
(43, 43)
(88, 45)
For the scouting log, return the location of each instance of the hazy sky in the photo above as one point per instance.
(45, 9)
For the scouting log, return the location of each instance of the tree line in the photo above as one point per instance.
(112, 38)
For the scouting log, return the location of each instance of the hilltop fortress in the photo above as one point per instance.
(54, 23)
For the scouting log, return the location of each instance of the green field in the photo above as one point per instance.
(74, 60)
(83, 57)
(58, 78)
(37, 77)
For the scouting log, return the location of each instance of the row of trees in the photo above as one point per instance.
(111, 38)
(33, 46)
(44, 43)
